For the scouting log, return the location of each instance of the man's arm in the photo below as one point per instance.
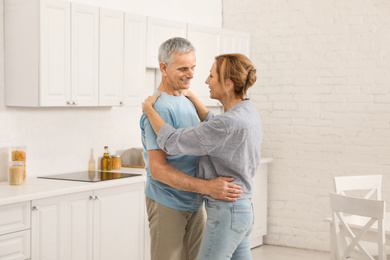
(219, 188)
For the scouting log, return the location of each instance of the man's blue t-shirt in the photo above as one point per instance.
(179, 112)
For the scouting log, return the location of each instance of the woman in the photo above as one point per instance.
(228, 145)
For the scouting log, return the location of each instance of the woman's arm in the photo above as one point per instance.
(201, 109)
(154, 118)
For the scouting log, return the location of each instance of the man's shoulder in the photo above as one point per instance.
(167, 103)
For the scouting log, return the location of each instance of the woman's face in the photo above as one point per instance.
(217, 91)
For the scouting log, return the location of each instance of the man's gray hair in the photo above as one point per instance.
(174, 45)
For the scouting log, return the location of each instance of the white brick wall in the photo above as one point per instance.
(323, 93)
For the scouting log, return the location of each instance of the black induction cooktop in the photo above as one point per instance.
(90, 176)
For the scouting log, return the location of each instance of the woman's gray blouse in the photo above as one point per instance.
(228, 144)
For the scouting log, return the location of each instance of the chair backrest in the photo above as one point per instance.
(352, 219)
(369, 185)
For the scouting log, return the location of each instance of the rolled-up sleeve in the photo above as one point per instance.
(206, 138)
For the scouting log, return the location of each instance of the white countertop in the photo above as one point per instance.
(266, 160)
(36, 188)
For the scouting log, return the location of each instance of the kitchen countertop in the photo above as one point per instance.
(36, 188)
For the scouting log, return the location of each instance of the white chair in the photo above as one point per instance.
(365, 186)
(353, 220)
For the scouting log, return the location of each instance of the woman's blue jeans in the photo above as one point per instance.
(228, 227)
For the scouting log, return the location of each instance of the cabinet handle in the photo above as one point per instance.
(35, 208)
(93, 197)
(74, 104)
(96, 198)
(68, 103)
(121, 104)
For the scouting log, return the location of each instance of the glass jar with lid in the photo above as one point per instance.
(18, 154)
(16, 172)
(116, 162)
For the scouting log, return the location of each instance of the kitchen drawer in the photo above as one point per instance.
(14, 217)
(15, 246)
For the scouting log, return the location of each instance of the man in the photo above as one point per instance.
(175, 212)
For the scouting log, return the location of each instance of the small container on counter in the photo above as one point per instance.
(18, 154)
(116, 162)
(16, 172)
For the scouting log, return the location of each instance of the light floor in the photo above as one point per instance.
(267, 252)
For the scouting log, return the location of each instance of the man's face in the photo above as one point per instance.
(180, 71)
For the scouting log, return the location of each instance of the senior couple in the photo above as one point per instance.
(200, 165)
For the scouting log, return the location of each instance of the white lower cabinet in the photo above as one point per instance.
(62, 227)
(259, 200)
(102, 224)
(15, 231)
(15, 245)
(119, 223)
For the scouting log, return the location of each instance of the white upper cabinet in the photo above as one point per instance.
(37, 52)
(54, 51)
(111, 57)
(235, 42)
(207, 42)
(51, 56)
(160, 30)
(85, 55)
(60, 53)
(134, 60)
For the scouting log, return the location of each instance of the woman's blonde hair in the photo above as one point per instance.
(239, 69)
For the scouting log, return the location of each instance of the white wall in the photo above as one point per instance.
(60, 139)
(323, 93)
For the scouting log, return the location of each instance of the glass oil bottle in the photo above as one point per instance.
(105, 163)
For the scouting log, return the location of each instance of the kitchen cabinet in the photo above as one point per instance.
(15, 231)
(62, 227)
(207, 41)
(68, 54)
(72, 55)
(85, 55)
(54, 45)
(37, 60)
(111, 57)
(101, 224)
(158, 31)
(235, 42)
(134, 60)
(259, 200)
(122, 58)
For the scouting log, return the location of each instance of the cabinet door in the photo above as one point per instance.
(85, 55)
(207, 42)
(259, 200)
(15, 246)
(160, 30)
(119, 222)
(236, 42)
(14, 217)
(54, 53)
(111, 57)
(62, 227)
(134, 63)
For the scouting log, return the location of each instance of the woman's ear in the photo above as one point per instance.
(163, 68)
(229, 85)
